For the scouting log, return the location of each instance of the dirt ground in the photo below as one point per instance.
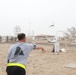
(40, 63)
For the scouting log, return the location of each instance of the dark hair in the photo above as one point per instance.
(21, 36)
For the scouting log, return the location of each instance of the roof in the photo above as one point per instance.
(42, 35)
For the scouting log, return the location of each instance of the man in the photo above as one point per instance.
(56, 47)
(18, 54)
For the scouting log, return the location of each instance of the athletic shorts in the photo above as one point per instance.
(15, 70)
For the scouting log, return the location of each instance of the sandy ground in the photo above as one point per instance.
(40, 63)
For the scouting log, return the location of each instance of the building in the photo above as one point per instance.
(7, 39)
(44, 37)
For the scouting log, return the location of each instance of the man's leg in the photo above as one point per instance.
(9, 70)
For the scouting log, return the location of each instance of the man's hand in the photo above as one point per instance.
(38, 48)
(43, 49)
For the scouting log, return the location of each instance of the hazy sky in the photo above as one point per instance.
(40, 14)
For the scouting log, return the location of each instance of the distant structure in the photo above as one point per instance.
(0, 38)
(43, 37)
(7, 39)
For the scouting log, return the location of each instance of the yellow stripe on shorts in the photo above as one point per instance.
(17, 64)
